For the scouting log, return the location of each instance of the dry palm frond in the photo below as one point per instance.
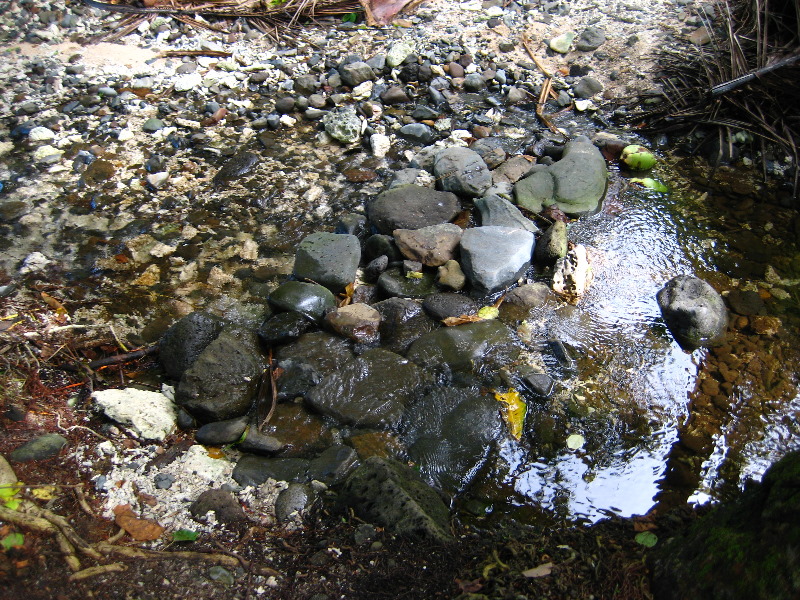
(748, 78)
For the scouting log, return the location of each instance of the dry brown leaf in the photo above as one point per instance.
(461, 320)
(541, 571)
(142, 530)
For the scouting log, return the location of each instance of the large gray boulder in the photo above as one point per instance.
(500, 212)
(576, 183)
(330, 259)
(390, 494)
(222, 382)
(411, 207)
(693, 311)
(494, 257)
(462, 171)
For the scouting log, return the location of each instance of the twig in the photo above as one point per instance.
(98, 570)
(78, 490)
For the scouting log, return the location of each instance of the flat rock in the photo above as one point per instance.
(255, 470)
(529, 295)
(447, 304)
(497, 211)
(694, 312)
(329, 259)
(39, 448)
(432, 246)
(417, 133)
(411, 207)
(293, 501)
(494, 257)
(284, 327)
(462, 171)
(394, 282)
(220, 433)
(151, 415)
(359, 322)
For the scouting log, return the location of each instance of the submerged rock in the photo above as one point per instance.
(552, 245)
(402, 322)
(394, 282)
(236, 166)
(694, 312)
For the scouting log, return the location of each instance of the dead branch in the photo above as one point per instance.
(98, 570)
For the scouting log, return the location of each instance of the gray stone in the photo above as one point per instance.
(576, 184)
(474, 82)
(333, 465)
(359, 322)
(255, 470)
(393, 282)
(297, 378)
(402, 322)
(447, 304)
(369, 391)
(540, 384)
(590, 39)
(694, 312)
(257, 442)
(330, 259)
(375, 267)
(432, 246)
(284, 327)
(450, 275)
(462, 171)
(381, 245)
(39, 448)
(306, 85)
(552, 245)
(7, 475)
(512, 170)
(308, 299)
(587, 87)
(411, 207)
(153, 125)
(495, 257)
(394, 95)
(292, 501)
(223, 380)
(185, 341)
(490, 150)
(474, 347)
(343, 124)
(412, 176)
(222, 503)
(417, 133)
(390, 494)
(356, 72)
(497, 211)
(529, 295)
(285, 105)
(320, 350)
(397, 53)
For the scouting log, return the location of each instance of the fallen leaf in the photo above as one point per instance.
(575, 441)
(650, 183)
(514, 410)
(143, 530)
(646, 539)
(215, 453)
(12, 540)
(44, 493)
(461, 320)
(541, 571)
(469, 587)
(489, 312)
(184, 535)
(54, 304)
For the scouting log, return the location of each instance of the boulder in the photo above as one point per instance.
(182, 343)
(494, 257)
(432, 246)
(39, 448)
(462, 171)
(151, 415)
(693, 311)
(330, 259)
(308, 299)
(411, 207)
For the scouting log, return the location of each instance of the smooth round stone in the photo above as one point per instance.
(257, 442)
(448, 304)
(220, 433)
(153, 125)
(308, 299)
(284, 327)
(44, 446)
(293, 501)
(255, 470)
(393, 282)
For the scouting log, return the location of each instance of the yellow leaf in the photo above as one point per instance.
(514, 409)
(44, 493)
(489, 312)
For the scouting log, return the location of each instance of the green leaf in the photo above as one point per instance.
(350, 17)
(12, 540)
(12, 504)
(184, 535)
(648, 539)
(650, 183)
(7, 491)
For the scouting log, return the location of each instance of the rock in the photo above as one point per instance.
(41, 134)
(308, 299)
(540, 384)
(323, 351)
(517, 95)
(255, 470)
(511, 170)
(450, 275)
(7, 475)
(572, 274)
(411, 207)
(562, 43)
(36, 262)
(394, 95)
(380, 144)
(220, 433)
(397, 53)
(495, 257)
(590, 39)
(475, 347)
(47, 154)
(185, 341)
(369, 391)
(359, 322)
(529, 295)
(292, 501)
(223, 380)
(576, 183)
(39, 448)
(417, 133)
(355, 73)
(390, 494)
(587, 87)
(151, 415)
(447, 304)
(746, 302)
(402, 322)
(297, 378)
(236, 166)
(432, 246)
(284, 105)
(302, 432)
(222, 503)
(449, 433)
(333, 465)
(552, 245)
(306, 85)
(462, 171)
(743, 548)
(157, 180)
(330, 259)
(153, 125)
(415, 176)
(187, 82)
(284, 327)
(381, 245)
(497, 211)
(343, 124)
(474, 82)
(257, 442)
(694, 312)
(394, 282)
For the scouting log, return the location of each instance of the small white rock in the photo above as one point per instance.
(150, 414)
(41, 134)
(288, 121)
(157, 180)
(187, 82)
(47, 154)
(34, 263)
(125, 135)
(380, 144)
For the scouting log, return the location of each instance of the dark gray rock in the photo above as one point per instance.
(303, 432)
(447, 304)
(490, 150)
(255, 470)
(356, 321)
(306, 85)
(320, 350)
(540, 384)
(694, 312)
(236, 166)
(402, 322)
(375, 267)
(517, 95)
(529, 295)
(284, 327)
(462, 171)
(746, 302)
(220, 433)
(474, 82)
(297, 378)
(449, 433)
(333, 465)
(185, 341)
(285, 105)
(381, 245)
(394, 95)
(417, 133)
(369, 391)
(411, 207)
(497, 211)
(355, 73)
(422, 112)
(390, 494)
(590, 39)
(222, 503)
(308, 299)
(352, 224)
(222, 382)
(257, 442)
(587, 87)
(153, 125)
(329, 259)
(552, 245)
(39, 448)
(163, 481)
(475, 347)
(393, 282)
(293, 501)
(576, 184)
(432, 246)
(495, 257)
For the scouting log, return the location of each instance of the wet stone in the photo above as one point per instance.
(443, 305)
(746, 302)
(355, 73)
(255, 470)
(375, 267)
(222, 503)
(39, 448)
(393, 282)
(432, 246)
(417, 133)
(381, 245)
(494, 257)
(474, 82)
(462, 171)
(359, 322)
(297, 378)
(411, 207)
(694, 312)
(285, 105)
(308, 299)
(292, 501)
(587, 87)
(343, 124)
(529, 295)
(540, 384)
(552, 244)
(257, 442)
(394, 95)
(284, 327)
(302, 432)
(333, 465)
(590, 39)
(321, 350)
(236, 166)
(329, 259)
